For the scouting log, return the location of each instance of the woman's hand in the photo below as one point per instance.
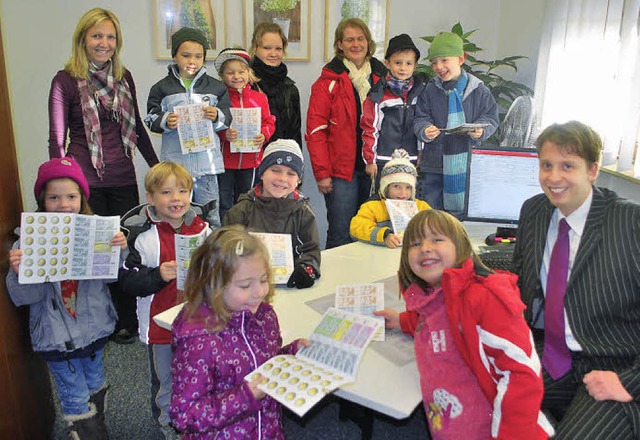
(325, 186)
(15, 257)
(172, 121)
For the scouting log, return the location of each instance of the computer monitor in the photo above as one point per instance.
(499, 181)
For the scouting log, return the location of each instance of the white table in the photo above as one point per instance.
(381, 385)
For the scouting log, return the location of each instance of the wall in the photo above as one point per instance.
(37, 35)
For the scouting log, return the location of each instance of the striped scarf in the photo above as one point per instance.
(115, 97)
(454, 166)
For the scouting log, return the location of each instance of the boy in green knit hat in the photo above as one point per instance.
(452, 98)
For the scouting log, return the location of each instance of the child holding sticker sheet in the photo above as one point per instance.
(150, 272)
(188, 83)
(69, 320)
(276, 206)
(372, 224)
(225, 331)
(479, 370)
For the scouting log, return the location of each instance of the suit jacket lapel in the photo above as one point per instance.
(592, 234)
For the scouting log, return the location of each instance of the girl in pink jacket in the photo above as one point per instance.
(479, 370)
(226, 330)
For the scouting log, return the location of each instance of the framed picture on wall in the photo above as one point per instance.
(209, 16)
(293, 16)
(373, 12)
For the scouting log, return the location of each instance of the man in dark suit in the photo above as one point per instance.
(594, 390)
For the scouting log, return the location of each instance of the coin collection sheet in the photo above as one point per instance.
(337, 345)
(63, 246)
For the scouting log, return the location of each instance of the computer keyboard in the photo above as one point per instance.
(499, 257)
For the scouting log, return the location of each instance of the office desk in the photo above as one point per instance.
(381, 385)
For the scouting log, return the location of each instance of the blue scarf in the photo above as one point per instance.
(454, 166)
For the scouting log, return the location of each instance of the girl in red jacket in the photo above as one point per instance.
(241, 160)
(479, 371)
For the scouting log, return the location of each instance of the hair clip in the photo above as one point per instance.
(240, 248)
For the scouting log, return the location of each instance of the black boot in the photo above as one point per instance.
(86, 426)
(99, 399)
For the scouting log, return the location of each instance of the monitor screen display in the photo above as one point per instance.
(499, 181)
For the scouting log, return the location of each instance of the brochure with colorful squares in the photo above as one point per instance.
(62, 246)
(337, 345)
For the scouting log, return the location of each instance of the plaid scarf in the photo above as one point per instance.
(454, 166)
(113, 96)
(399, 87)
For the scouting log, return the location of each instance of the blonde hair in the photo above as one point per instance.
(212, 268)
(253, 79)
(267, 28)
(78, 64)
(439, 222)
(355, 23)
(161, 171)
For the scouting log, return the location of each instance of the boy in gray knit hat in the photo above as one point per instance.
(188, 83)
(276, 206)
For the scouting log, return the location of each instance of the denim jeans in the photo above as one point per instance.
(76, 379)
(205, 190)
(232, 184)
(160, 356)
(342, 204)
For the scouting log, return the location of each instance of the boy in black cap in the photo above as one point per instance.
(188, 83)
(388, 111)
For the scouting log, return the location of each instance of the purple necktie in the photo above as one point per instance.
(556, 356)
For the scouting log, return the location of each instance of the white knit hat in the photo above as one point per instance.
(231, 53)
(398, 169)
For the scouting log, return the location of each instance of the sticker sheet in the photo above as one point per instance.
(61, 246)
(186, 245)
(362, 299)
(332, 359)
(248, 122)
(281, 254)
(401, 212)
(195, 131)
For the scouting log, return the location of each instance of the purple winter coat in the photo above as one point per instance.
(210, 397)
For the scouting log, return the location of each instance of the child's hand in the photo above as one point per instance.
(15, 257)
(431, 132)
(392, 241)
(391, 318)
(476, 133)
(169, 271)
(211, 113)
(232, 134)
(258, 140)
(302, 342)
(253, 386)
(119, 240)
(371, 169)
(172, 121)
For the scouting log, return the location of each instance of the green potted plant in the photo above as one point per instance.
(504, 91)
(280, 10)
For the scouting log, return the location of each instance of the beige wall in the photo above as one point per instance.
(37, 36)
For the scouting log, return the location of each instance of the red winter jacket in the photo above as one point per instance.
(485, 316)
(332, 120)
(249, 98)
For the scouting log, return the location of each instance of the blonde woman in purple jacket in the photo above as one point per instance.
(226, 330)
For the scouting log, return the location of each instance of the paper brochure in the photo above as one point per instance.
(195, 131)
(63, 246)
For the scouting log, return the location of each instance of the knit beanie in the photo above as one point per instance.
(60, 168)
(401, 43)
(398, 169)
(187, 34)
(446, 44)
(282, 152)
(231, 53)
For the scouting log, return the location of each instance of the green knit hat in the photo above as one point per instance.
(446, 44)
